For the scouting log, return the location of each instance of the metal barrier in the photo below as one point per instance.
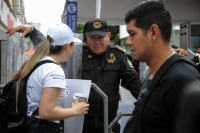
(12, 54)
(105, 100)
(108, 128)
(112, 124)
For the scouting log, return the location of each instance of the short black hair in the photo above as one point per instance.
(147, 13)
(174, 46)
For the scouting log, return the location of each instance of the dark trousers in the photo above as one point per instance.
(88, 129)
(43, 126)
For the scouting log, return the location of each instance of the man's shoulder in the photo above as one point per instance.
(186, 61)
(183, 70)
(178, 68)
(117, 47)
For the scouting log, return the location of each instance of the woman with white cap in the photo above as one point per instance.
(46, 86)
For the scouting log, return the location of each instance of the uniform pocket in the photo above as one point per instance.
(111, 74)
(87, 72)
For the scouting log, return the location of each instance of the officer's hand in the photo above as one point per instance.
(181, 51)
(24, 29)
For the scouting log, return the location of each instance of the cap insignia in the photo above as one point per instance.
(112, 58)
(97, 24)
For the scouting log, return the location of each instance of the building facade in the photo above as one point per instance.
(11, 13)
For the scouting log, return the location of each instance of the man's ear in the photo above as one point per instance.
(154, 31)
(109, 35)
(86, 35)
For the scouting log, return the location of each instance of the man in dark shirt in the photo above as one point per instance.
(149, 27)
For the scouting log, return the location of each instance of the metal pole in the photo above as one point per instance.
(1, 87)
(105, 100)
(98, 8)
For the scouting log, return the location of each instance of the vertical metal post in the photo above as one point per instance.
(105, 100)
(98, 8)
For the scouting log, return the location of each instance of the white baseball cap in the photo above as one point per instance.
(61, 34)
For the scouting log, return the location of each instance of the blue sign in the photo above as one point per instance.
(71, 19)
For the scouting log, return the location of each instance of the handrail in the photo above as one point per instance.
(105, 100)
(112, 124)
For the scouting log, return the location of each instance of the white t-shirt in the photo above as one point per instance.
(46, 75)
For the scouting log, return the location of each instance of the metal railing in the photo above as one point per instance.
(105, 101)
(112, 124)
(108, 128)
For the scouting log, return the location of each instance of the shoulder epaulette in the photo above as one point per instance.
(120, 48)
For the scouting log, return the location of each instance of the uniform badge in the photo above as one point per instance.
(89, 56)
(97, 24)
(112, 58)
(130, 64)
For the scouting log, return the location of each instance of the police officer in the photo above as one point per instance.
(105, 65)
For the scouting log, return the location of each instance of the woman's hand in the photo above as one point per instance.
(24, 29)
(80, 108)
